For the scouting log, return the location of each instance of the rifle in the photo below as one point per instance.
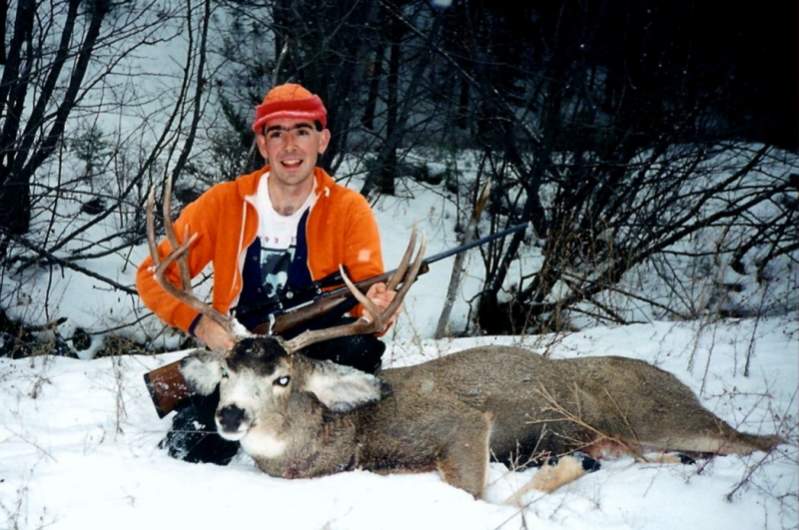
(166, 385)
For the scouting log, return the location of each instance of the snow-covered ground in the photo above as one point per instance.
(78, 450)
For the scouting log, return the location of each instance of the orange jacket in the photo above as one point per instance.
(341, 229)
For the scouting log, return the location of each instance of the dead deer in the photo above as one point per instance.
(299, 417)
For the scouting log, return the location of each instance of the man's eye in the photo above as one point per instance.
(282, 381)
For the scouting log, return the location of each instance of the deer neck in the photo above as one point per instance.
(313, 441)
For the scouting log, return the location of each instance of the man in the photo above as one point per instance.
(274, 230)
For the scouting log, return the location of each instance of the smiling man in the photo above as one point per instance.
(275, 230)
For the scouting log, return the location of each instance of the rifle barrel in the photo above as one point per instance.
(426, 262)
(476, 243)
(335, 278)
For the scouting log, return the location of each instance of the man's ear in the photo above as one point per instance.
(343, 388)
(260, 142)
(324, 140)
(202, 371)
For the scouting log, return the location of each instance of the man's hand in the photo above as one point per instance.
(213, 335)
(381, 297)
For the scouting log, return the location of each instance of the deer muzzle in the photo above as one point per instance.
(232, 422)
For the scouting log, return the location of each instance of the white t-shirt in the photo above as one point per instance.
(278, 237)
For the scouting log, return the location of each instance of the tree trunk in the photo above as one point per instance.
(21, 159)
(3, 17)
(442, 328)
(374, 88)
(388, 171)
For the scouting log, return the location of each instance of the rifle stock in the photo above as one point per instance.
(167, 387)
(286, 321)
(293, 317)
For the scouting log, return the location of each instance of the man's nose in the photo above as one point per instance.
(289, 140)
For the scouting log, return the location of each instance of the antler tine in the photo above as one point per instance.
(151, 228)
(169, 230)
(377, 316)
(361, 326)
(399, 274)
(178, 252)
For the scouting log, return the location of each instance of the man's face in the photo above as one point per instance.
(292, 148)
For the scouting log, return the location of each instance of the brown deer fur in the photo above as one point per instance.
(451, 413)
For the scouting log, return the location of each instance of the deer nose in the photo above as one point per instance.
(230, 417)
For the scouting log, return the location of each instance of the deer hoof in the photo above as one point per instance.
(589, 464)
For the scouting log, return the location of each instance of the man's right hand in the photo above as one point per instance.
(213, 335)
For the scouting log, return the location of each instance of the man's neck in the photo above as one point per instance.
(288, 199)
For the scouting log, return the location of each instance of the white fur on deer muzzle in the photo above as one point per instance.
(242, 392)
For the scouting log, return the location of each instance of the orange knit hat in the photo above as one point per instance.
(289, 101)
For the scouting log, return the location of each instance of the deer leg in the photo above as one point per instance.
(616, 448)
(464, 463)
(554, 474)
(715, 443)
(669, 457)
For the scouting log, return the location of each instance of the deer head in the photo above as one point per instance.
(259, 377)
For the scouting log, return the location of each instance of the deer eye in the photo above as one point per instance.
(282, 381)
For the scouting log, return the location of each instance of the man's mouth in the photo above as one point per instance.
(291, 163)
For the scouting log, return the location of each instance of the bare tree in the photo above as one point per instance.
(33, 68)
(80, 66)
(626, 162)
(613, 129)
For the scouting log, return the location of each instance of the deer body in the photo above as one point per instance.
(452, 413)
(538, 401)
(390, 431)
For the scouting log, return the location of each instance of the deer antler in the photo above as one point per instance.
(179, 253)
(363, 326)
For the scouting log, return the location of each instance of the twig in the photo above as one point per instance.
(66, 264)
(751, 470)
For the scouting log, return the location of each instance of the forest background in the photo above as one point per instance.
(621, 131)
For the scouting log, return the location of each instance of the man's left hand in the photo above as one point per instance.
(381, 297)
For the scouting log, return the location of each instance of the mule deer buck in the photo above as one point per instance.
(299, 417)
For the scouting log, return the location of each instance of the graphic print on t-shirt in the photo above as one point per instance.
(275, 261)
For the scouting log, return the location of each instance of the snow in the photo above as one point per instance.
(78, 449)
(78, 437)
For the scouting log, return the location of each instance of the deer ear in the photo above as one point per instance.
(343, 388)
(202, 371)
